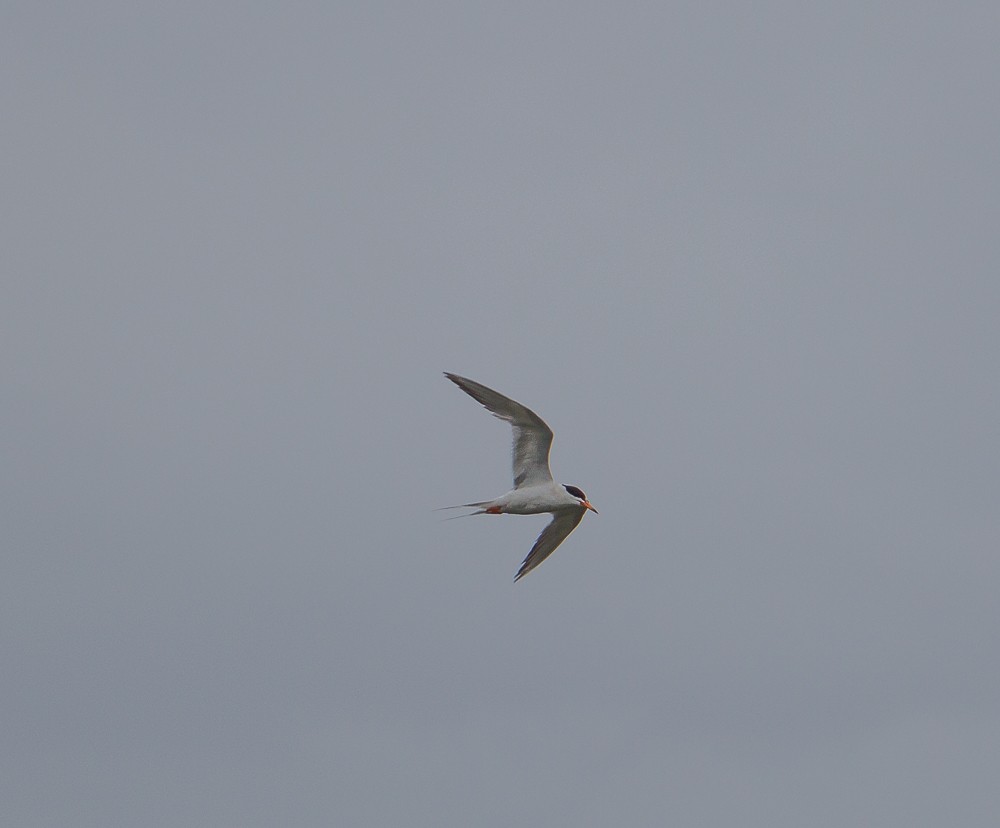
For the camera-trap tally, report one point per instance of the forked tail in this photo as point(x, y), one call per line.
point(478, 506)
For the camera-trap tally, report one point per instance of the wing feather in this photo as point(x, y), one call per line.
point(532, 437)
point(552, 535)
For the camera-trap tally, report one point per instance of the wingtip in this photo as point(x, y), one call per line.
point(455, 378)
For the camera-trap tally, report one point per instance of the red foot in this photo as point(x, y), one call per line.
point(493, 510)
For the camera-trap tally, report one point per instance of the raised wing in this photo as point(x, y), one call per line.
point(555, 533)
point(532, 438)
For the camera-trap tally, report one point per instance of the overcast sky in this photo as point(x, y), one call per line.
point(743, 258)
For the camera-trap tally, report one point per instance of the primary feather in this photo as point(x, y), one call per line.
point(532, 437)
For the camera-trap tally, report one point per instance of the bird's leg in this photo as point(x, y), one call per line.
point(494, 510)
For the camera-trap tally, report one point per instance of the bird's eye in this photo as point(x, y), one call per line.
point(573, 490)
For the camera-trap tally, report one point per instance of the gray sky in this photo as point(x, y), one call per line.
point(743, 258)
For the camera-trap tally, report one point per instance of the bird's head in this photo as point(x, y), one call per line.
point(581, 497)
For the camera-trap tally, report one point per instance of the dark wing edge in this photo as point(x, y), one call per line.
point(552, 535)
point(532, 435)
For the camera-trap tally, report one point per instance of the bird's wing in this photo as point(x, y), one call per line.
point(532, 438)
point(552, 535)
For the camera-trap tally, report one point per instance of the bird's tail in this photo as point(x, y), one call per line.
point(478, 506)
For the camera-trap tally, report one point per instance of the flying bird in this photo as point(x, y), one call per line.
point(534, 489)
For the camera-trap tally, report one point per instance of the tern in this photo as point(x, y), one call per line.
point(534, 489)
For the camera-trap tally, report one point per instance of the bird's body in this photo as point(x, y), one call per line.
point(533, 500)
point(534, 489)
